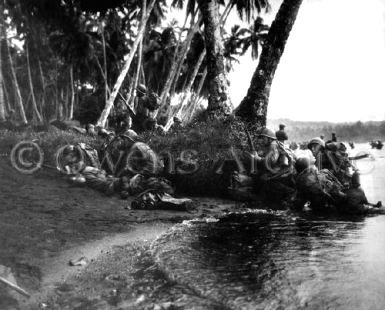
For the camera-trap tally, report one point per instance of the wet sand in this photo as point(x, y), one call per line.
point(45, 222)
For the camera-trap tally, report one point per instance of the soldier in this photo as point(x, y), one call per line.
point(121, 119)
point(317, 146)
point(356, 201)
point(333, 139)
point(90, 128)
point(146, 104)
point(177, 124)
point(281, 134)
point(318, 188)
point(276, 164)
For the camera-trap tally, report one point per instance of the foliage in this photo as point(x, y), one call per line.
point(50, 141)
point(208, 143)
point(77, 49)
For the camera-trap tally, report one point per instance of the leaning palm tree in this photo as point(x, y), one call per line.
point(218, 100)
point(253, 108)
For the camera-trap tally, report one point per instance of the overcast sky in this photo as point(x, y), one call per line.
point(333, 67)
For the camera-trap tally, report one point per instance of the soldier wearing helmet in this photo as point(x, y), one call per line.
point(268, 146)
point(146, 103)
point(276, 167)
point(121, 119)
point(317, 146)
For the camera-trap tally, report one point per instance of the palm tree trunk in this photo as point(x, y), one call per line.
point(195, 72)
point(9, 110)
point(187, 89)
point(194, 100)
point(109, 104)
point(106, 88)
point(253, 108)
point(16, 84)
point(200, 86)
point(183, 57)
point(174, 57)
point(174, 67)
point(2, 99)
point(42, 80)
point(72, 102)
point(219, 101)
point(137, 73)
point(34, 105)
point(57, 102)
point(140, 50)
point(143, 76)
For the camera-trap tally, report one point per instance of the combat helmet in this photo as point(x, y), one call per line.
point(131, 135)
point(318, 141)
point(176, 119)
point(302, 163)
point(266, 132)
point(141, 88)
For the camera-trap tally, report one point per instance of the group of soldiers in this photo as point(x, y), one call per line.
point(124, 165)
point(321, 178)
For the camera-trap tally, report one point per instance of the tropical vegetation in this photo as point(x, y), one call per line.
point(75, 59)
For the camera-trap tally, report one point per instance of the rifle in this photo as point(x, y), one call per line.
point(359, 157)
point(250, 141)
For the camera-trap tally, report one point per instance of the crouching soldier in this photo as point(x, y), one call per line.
point(356, 201)
point(333, 157)
point(126, 155)
point(275, 163)
point(81, 165)
point(146, 103)
point(318, 189)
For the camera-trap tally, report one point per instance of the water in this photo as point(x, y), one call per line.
point(260, 260)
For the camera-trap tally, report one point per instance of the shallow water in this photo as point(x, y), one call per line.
point(259, 260)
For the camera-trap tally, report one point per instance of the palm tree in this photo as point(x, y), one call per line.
point(158, 51)
point(34, 104)
point(247, 8)
point(2, 102)
point(255, 38)
point(253, 108)
point(109, 104)
point(16, 84)
point(218, 100)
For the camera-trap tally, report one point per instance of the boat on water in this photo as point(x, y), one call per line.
point(376, 144)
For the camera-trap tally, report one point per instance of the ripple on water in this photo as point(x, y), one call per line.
point(267, 261)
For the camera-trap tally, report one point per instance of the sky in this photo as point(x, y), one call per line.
point(333, 66)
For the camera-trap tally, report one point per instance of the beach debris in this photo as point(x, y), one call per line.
point(140, 299)
point(151, 200)
point(82, 261)
point(115, 278)
point(7, 278)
